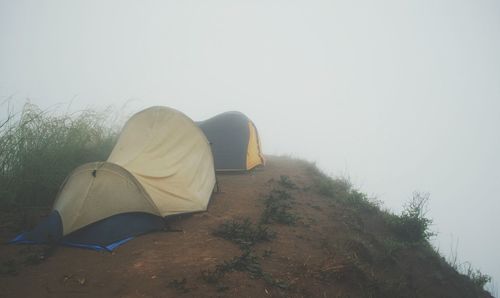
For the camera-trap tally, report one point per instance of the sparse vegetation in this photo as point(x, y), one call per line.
point(412, 226)
point(28, 256)
point(243, 232)
point(40, 148)
point(348, 258)
point(278, 205)
point(179, 285)
point(246, 262)
point(38, 254)
point(477, 277)
point(8, 267)
point(267, 253)
point(466, 269)
point(341, 190)
point(286, 182)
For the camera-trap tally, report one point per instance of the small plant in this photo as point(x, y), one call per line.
point(333, 188)
point(286, 182)
point(8, 267)
point(179, 285)
point(277, 208)
point(347, 270)
point(247, 262)
point(476, 276)
point(361, 201)
point(267, 253)
point(326, 185)
point(244, 232)
point(412, 226)
point(391, 247)
point(276, 282)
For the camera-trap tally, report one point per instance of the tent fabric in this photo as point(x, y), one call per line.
point(115, 229)
point(48, 230)
point(98, 190)
point(106, 234)
point(170, 157)
point(254, 155)
point(234, 140)
point(161, 165)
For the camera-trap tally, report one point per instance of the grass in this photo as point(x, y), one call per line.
point(341, 190)
point(38, 149)
point(411, 226)
point(475, 275)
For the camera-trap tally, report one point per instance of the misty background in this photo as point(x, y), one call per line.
point(399, 96)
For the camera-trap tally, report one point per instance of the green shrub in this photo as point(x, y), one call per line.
point(286, 182)
point(412, 226)
point(333, 188)
point(179, 285)
point(476, 276)
point(360, 200)
point(244, 232)
point(246, 262)
point(278, 204)
point(38, 149)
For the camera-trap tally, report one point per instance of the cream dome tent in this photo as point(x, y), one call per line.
point(161, 165)
point(170, 157)
point(235, 141)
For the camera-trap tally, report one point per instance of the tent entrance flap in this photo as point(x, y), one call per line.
point(254, 154)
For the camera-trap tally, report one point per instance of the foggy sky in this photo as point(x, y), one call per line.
point(398, 95)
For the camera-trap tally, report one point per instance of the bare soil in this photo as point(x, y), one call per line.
point(332, 251)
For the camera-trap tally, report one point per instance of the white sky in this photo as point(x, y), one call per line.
point(398, 95)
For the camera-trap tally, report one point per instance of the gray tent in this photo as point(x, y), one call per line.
point(234, 140)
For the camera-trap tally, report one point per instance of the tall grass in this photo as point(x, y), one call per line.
point(39, 148)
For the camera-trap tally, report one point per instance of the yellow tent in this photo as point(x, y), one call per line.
point(161, 165)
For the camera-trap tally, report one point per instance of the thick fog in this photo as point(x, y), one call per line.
point(400, 96)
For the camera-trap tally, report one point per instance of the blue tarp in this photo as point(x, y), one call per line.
point(106, 234)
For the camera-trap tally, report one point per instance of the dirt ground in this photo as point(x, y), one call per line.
point(331, 251)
